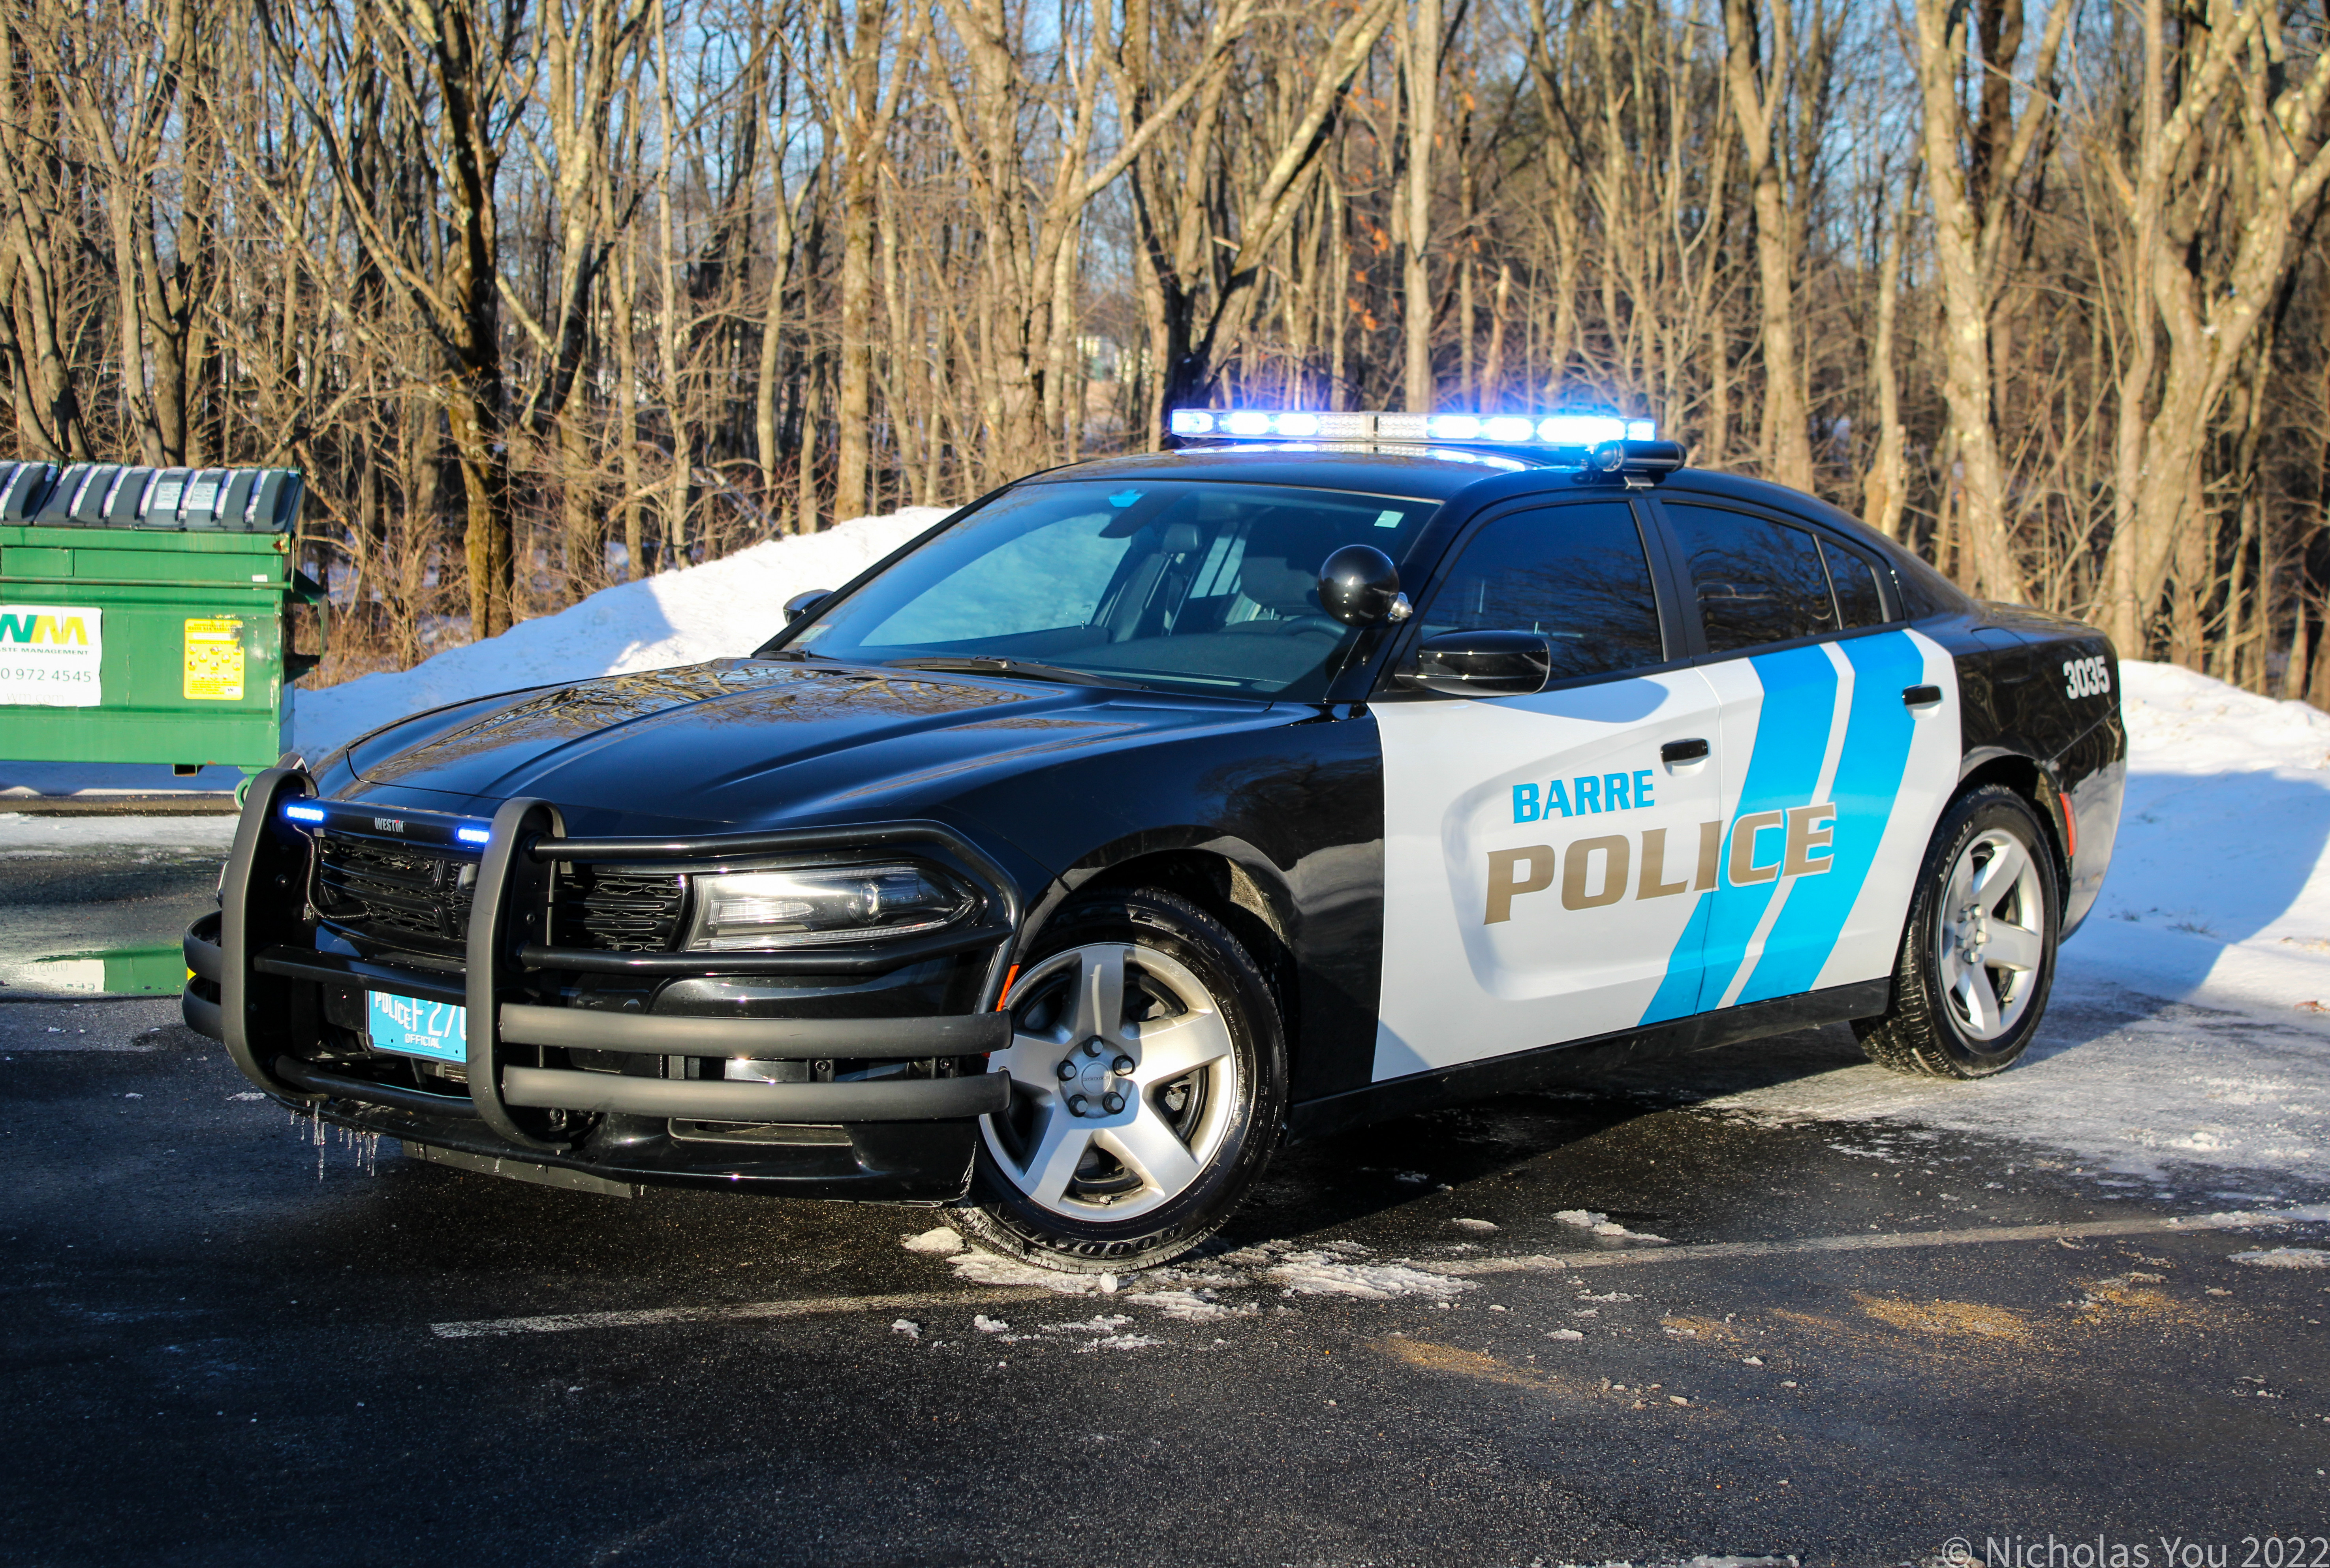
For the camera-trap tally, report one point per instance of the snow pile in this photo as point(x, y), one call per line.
point(719, 609)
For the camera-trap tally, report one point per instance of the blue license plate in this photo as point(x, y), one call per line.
point(440, 1030)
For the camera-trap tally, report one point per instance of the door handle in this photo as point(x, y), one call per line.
point(1683, 751)
point(1921, 696)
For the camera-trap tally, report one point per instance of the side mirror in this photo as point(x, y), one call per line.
point(1483, 664)
point(1360, 586)
point(802, 604)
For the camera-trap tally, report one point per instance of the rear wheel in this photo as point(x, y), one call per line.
point(1148, 1085)
point(1978, 954)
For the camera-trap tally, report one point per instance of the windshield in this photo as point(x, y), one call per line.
point(1185, 585)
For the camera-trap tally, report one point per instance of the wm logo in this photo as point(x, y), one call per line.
point(35, 630)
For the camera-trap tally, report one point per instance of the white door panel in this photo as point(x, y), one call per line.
point(1515, 918)
point(1532, 894)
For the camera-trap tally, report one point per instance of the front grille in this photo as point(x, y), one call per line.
point(395, 892)
point(623, 911)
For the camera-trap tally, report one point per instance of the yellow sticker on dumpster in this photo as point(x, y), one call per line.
point(215, 660)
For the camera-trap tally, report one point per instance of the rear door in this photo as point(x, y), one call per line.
point(1545, 858)
point(1836, 776)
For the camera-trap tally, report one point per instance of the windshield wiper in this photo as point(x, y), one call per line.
point(987, 664)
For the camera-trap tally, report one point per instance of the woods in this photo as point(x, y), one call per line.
point(549, 294)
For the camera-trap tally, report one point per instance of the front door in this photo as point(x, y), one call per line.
point(1547, 858)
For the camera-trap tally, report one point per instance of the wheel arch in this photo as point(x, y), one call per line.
point(2040, 789)
point(1228, 878)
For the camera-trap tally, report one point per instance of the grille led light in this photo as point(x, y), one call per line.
point(299, 813)
point(474, 835)
point(1562, 430)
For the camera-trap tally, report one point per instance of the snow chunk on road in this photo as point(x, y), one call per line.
point(986, 1325)
point(1324, 1273)
point(907, 1327)
point(1483, 1226)
point(2286, 1258)
point(1603, 1225)
point(1119, 1342)
point(1197, 1305)
point(938, 1244)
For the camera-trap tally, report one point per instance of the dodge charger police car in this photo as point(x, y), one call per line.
point(1153, 810)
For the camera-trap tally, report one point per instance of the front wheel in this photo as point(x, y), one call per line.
point(1978, 955)
point(1148, 1087)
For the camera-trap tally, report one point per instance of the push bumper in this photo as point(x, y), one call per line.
point(258, 978)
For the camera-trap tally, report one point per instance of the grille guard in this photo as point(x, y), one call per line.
point(266, 972)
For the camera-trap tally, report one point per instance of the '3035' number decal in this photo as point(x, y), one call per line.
point(2089, 677)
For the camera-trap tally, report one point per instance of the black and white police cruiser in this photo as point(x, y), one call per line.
point(1152, 810)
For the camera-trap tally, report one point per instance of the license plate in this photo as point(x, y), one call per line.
point(407, 1025)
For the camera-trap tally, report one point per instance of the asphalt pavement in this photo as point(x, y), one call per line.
point(1624, 1325)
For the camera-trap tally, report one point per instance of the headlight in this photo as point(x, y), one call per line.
point(755, 910)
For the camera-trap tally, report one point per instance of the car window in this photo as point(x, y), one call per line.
point(1188, 585)
point(1850, 573)
point(1756, 580)
point(1576, 574)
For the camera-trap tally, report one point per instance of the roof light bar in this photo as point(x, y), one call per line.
point(1570, 429)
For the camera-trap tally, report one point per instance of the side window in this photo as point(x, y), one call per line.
point(1576, 573)
point(1858, 601)
point(1757, 581)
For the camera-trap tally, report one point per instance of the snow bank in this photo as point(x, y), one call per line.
point(2220, 888)
point(718, 610)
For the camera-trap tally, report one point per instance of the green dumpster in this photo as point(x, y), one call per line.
point(145, 613)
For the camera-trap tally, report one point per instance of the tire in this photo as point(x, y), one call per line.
point(1090, 1189)
point(1993, 858)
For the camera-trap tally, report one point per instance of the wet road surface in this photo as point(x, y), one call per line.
point(230, 1342)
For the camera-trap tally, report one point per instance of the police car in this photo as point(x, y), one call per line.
point(1152, 810)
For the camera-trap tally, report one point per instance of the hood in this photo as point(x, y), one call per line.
point(745, 741)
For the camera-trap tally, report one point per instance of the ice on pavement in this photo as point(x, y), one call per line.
point(2286, 1258)
point(31, 833)
point(1198, 1306)
point(1326, 1273)
point(1106, 1323)
point(980, 1268)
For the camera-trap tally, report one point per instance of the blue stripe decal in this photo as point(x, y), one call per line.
point(1869, 773)
point(1791, 743)
point(1677, 993)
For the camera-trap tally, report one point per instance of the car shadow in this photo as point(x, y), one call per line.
point(1369, 1172)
